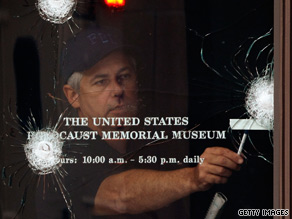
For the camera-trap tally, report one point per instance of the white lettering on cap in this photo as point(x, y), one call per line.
point(104, 38)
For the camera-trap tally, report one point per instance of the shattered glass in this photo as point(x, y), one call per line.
point(251, 74)
point(57, 12)
point(243, 85)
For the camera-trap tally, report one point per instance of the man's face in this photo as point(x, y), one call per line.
point(109, 88)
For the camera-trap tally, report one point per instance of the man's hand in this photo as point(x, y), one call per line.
point(217, 167)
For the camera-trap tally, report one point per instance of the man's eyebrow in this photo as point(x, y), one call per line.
point(102, 76)
point(123, 69)
point(98, 76)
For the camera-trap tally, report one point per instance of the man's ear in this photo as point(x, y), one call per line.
point(72, 96)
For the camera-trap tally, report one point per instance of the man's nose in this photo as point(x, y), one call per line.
point(117, 89)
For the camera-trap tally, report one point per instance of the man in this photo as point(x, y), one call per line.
point(108, 89)
point(106, 86)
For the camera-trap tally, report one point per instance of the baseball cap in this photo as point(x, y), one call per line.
point(88, 47)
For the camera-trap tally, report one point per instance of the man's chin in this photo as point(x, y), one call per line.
point(119, 114)
point(122, 112)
